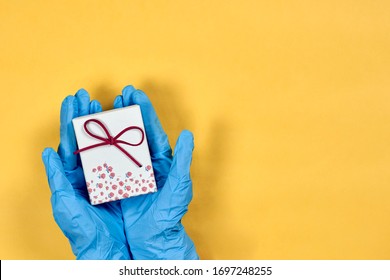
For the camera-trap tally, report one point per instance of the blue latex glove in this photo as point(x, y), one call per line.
point(153, 221)
point(94, 232)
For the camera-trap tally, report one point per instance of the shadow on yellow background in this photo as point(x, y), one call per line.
point(288, 102)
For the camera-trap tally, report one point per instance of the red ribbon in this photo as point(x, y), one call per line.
point(111, 140)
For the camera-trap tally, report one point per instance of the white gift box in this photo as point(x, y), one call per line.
point(114, 154)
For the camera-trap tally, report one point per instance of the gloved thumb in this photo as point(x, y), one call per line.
point(182, 156)
point(176, 194)
point(55, 171)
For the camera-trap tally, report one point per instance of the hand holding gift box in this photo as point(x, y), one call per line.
point(140, 227)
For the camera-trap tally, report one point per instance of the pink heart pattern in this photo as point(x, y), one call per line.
point(108, 186)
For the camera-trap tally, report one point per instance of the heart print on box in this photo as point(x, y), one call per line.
point(108, 186)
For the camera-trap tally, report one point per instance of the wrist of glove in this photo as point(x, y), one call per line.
point(107, 251)
point(162, 244)
point(88, 242)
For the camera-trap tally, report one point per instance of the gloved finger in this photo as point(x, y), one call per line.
point(176, 195)
point(127, 95)
point(182, 157)
point(68, 145)
point(118, 102)
point(55, 171)
point(157, 138)
point(82, 97)
point(126, 99)
point(95, 107)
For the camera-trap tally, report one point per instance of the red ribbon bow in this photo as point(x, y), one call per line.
point(111, 140)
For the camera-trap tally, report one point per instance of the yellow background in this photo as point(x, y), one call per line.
point(289, 102)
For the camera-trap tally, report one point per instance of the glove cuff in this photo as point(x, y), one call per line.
point(171, 244)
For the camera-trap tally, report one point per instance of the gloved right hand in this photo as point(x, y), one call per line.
point(153, 221)
point(94, 232)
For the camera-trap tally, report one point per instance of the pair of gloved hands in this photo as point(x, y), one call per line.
point(141, 227)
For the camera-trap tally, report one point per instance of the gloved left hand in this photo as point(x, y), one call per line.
point(94, 232)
